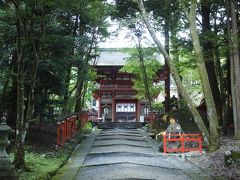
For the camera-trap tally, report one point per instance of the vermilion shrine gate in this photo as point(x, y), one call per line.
point(115, 93)
point(116, 96)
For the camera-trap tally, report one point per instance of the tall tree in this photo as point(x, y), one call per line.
point(208, 53)
point(151, 66)
point(91, 28)
point(173, 70)
point(213, 136)
point(25, 40)
point(235, 71)
point(211, 109)
point(166, 28)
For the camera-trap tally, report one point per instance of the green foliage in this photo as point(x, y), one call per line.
point(90, 89)
point(62, 49)
point(124, 9)
point(45, 47)
point(87, 128)
point(152, 65)
point(45, 163)
point(42, 166)
point(157, 105)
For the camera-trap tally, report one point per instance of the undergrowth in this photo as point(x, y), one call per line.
point(44, 165)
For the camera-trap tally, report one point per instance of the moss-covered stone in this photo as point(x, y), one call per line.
point(231, 157)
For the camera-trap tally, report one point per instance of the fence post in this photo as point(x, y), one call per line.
point(182, 142)
point(164, 144)
point(69, 127)
point(62, 134)
point(65, 130)
point(72, 125)
point(200, 144)
point(75, 125)
point(68, 130)
point(58, 133)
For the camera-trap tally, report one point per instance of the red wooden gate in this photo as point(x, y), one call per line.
point(182, 138)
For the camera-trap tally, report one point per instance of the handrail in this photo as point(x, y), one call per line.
point(66, 116)
point(66, 128)
point(182, 138)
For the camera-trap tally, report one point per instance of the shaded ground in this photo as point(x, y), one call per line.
point(41, 141)
point(43, 158)
point(214, 162)
point(125, 154)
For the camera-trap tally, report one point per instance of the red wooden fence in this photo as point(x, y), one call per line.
point(182, 138)
point(66, 128)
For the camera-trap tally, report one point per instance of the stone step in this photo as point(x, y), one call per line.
point(140, 158)
point(121, 134)
point(119, 125)
point(121, 148)
point(125, 171)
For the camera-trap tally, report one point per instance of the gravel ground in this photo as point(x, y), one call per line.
point(214, 162)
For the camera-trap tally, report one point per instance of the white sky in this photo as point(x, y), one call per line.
point(117, 38)
point(122, 37)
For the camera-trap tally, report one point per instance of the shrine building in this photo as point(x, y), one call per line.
point(115, 94)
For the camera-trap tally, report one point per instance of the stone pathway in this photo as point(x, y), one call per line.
point(125, 154)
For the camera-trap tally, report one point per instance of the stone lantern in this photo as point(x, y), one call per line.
point(7, 171)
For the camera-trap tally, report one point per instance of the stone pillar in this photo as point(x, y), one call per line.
point(7, 171)
point(113, 108)
point(99, 106)
point(138, 110)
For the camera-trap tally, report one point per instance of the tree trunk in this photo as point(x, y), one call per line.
point(208, 56)
point(175, 56)
point(23, 119)
point(3, 99)
point(12, 108)
point(145, 78)
point(19, 159)
point(211, 109)
point(227, 81)
point(67, 95)
point(80, 73)
point(173, 70)
point(83, 68)
point(222, 88)
point(167, 71)
point(85, 88)
point(166, 29)
point(235, 73)
point(30, 98)
point(78, 105)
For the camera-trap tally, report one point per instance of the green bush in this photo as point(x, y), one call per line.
point(87, 127)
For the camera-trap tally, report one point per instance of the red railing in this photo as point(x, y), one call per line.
point(182, 138)
point(66, 128)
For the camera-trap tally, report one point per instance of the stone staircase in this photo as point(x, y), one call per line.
point(119, 125)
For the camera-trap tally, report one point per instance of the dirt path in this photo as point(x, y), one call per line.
point(125, 154)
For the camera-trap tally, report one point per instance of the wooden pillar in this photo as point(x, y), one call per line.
point(113, 108)
point(138, 110)
point(99, 106)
